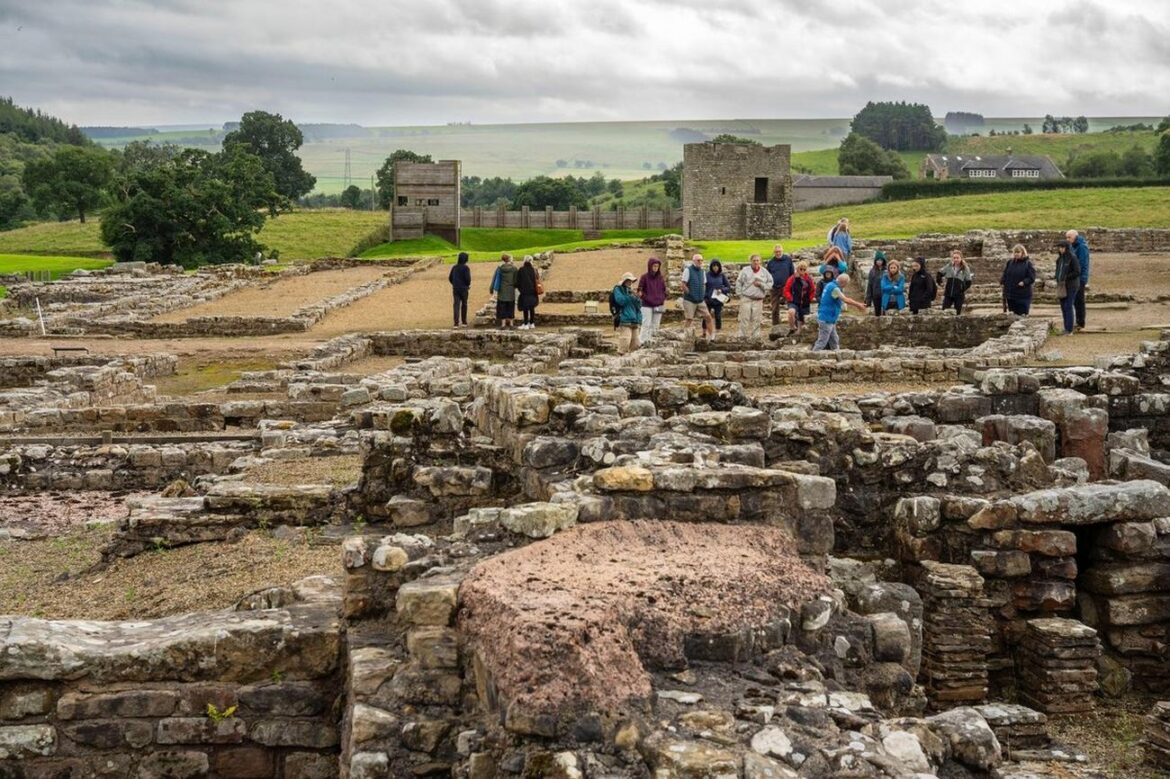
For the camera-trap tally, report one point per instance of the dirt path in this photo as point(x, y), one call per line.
point(281, 298)
point(587, 271)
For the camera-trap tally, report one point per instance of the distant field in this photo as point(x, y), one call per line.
point(620, 150)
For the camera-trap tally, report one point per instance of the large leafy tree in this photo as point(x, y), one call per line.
point(860, 156)
point(1162, 155)
point(386, 173)
point(74, 180)
point(901, 126)
point(543, 191)
point(275, 141)
point(194, 209)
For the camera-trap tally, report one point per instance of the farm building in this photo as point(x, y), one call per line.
point(1023, 167)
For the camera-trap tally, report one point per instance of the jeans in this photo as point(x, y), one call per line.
point(1066, 310)
point(460, 306)
point(1079, 307)
point(651, 320)
point(827, 337)
point(750, 313)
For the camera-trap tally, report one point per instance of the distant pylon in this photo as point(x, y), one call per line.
point(345, 184)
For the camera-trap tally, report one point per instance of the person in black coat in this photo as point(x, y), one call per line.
point(460, 278)
point(873, 287)
point(923, 288)
point(1018, 277)
point(527, 279)
point(1068, 283)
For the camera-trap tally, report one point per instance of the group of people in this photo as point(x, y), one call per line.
point(637, 303)
point(513, 287)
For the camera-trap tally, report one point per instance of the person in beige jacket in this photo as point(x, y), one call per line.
point(753, 285)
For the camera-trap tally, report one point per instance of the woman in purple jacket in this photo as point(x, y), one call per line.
point(652, 291)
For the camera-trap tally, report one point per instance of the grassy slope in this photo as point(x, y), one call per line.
point(58, 266)
point(298, 235)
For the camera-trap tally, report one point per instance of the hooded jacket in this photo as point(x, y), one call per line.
point(781, 269)
point(716, 282)
point(460, 276)
point(923, 289)
point(652, 286)
point(955, 281)
point(629, 306)
point(506, 292)
point(873, 285)
point(893, 290)
point(1081, 250)
point(1068, 270)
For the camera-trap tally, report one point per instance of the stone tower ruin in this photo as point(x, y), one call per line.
point(736, 191)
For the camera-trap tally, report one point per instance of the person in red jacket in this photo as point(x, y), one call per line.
point(798, 291)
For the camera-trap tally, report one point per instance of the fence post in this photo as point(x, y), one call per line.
point(572, 217)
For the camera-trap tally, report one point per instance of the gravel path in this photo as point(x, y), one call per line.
point(281, 298)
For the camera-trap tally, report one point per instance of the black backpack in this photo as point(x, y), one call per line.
point(614, 310)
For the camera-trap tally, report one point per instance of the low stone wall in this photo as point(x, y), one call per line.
point(228, 694)
point(42, 468)
point(167, 417)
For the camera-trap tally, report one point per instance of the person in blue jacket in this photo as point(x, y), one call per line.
point(893, 287)
point(629, 313)
point(782, 268)
point(460, 278)
point(1081, 249)
point(840, 237)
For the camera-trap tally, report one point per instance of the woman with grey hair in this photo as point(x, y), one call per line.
point(528, 292)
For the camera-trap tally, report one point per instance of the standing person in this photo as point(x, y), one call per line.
point(504, 287)
point(753, 285)
point(694, 281)
point(1081, 249)
point(781, 268)
point(528, 293)
point(843, 240)
point(1017, 280)
point(893, 289)
point(833, 301)
point(652, 290)
point(873, 285)
point(833, 230)
point(718, 290)
point(828, 273)
point(629, 317)
point(460, 279)
point(799, 294)
point(1068, 281)
point(923, 290)
point(956, 280)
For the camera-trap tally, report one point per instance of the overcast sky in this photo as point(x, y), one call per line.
point(394, 62)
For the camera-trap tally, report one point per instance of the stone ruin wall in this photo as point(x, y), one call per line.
point(992, 502)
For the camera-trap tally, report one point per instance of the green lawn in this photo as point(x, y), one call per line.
point(485, 243)
point(299, 235)
point(57, 266)
point(1043, 210)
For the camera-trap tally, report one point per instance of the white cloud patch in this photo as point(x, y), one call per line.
point(428, 61)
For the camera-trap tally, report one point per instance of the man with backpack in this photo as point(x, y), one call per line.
point(1081, 250)
point(694, 280)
